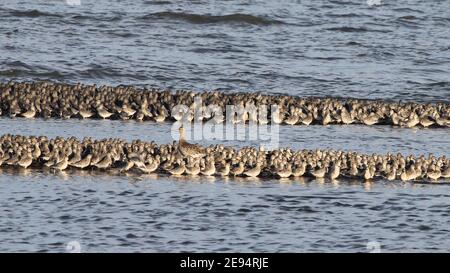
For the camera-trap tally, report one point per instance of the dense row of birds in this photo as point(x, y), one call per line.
point(53, 100)
point(183, 158)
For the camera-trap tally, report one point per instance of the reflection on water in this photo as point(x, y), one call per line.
point(43, 211)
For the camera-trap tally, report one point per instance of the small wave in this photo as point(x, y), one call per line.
point(18, 65)
point(96, 17)
point(344, 3)
point(408, 21)
point(99, 71)
point(122, 34)
point(441, 19)
point(439, 84)
point(407, 10)
point(157, 2)
point(356, 29)
point(325, 58)
point(344, 15)
point(353, 43)
point(18, 69)
point(213, 19)
point(21, 73)
point(408, 17)
point(225, 49)
point(32, 13)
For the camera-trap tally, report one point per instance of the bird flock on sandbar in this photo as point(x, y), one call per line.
point(181, 158)
point(54, 100)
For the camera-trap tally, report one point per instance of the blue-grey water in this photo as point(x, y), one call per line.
point(399, 50)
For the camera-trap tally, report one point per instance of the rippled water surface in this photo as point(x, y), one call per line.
point(397, 51)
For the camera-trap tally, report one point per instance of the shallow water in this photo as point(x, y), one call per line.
point(364, 139)
point(397, 51)
point(43, 212)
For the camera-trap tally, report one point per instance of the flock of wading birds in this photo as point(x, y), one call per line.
point(51, 100)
